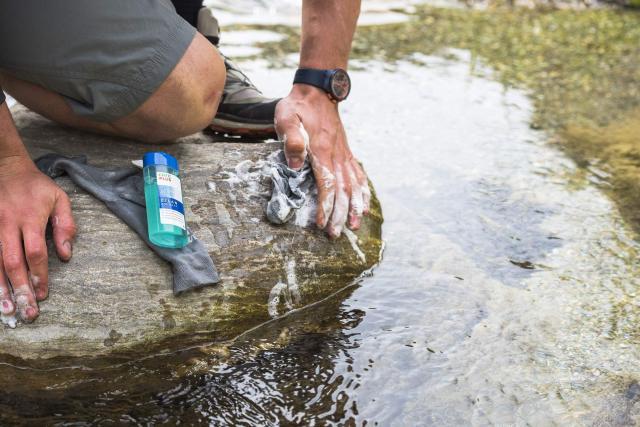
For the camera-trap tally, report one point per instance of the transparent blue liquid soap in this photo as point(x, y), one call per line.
point(163, 195)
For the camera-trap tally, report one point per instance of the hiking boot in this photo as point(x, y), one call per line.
point(208, 25)
point(243, 110)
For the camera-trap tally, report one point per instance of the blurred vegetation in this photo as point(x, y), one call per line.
point(581, 68)
point(578, 65)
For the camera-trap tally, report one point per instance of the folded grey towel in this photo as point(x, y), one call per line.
point(122, 190)
point(290, 189)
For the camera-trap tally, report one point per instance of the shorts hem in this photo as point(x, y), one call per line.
point(156, 70)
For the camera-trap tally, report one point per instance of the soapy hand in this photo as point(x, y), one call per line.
point(343, 190)
point(29, 200)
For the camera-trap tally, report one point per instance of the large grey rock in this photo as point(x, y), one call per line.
point(115, 295)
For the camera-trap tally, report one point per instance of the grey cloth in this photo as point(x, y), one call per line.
point(290, 189)
point(122, 190)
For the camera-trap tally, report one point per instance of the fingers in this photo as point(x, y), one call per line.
point(356, 207)
point(295, 139)
point(343, 193)
point(64, 227)
point(366, 197)
point(364, 186)
point(16, 269)
point(326, 182)
point(352, 198)
point(35, 250)
point(363, 183)
point(7, 307)
point(341, 204)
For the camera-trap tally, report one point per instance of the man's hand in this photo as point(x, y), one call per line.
point(343, 190)
point(29, 200)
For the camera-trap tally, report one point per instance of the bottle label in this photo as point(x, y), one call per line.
point(170, 194)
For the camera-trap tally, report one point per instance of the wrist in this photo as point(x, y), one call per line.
point(14, 164)
point(14, 157)
point(311, 94)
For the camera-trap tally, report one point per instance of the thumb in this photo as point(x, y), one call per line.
point(64, 227)
point(296, 140)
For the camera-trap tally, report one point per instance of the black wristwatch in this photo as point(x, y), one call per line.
point(335, 82)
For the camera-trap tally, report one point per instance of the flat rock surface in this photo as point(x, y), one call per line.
point(115, 295)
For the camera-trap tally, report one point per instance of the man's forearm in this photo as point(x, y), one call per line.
point(327, 31)
point(11, 147)
point(343, 193)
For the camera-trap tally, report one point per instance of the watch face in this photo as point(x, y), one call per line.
point(340, 84)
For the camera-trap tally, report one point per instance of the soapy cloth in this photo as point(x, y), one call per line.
point(122, 190)
point(290, 189)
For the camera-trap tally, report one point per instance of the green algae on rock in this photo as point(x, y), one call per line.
point(612, 153)
point(115, 295)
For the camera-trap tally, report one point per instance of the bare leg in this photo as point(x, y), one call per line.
point(184, 103)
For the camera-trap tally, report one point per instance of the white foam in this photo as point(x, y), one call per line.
point(248, 174)
point(292, 281)
point(305, 216)
point(290, 291)
point(340, 204)
point(357, 197)
point(9, 321)
point(328, 182)
point(274, 299)
point(305, 138)
point(353, 239)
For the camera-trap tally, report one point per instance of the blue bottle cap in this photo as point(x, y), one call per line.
point(159, 158)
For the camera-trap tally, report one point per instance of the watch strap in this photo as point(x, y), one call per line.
point(313, 77)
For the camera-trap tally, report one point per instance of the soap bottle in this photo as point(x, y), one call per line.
point(163, 195)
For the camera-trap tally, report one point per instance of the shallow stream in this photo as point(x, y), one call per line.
point(508, 292)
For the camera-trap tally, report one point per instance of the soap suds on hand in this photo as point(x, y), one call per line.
point(328, 183)
point(357, 196)
point(9, 321)
point(305, 138)
point(340, 204)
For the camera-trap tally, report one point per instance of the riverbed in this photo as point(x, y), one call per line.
point(507, 293)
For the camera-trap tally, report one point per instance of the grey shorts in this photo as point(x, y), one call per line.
point(104, 57)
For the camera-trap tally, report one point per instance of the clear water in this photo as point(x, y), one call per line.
point(507, 293)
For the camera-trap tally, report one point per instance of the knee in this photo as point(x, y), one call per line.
point(207, 76)
point(187, 100)
point(199, 79)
